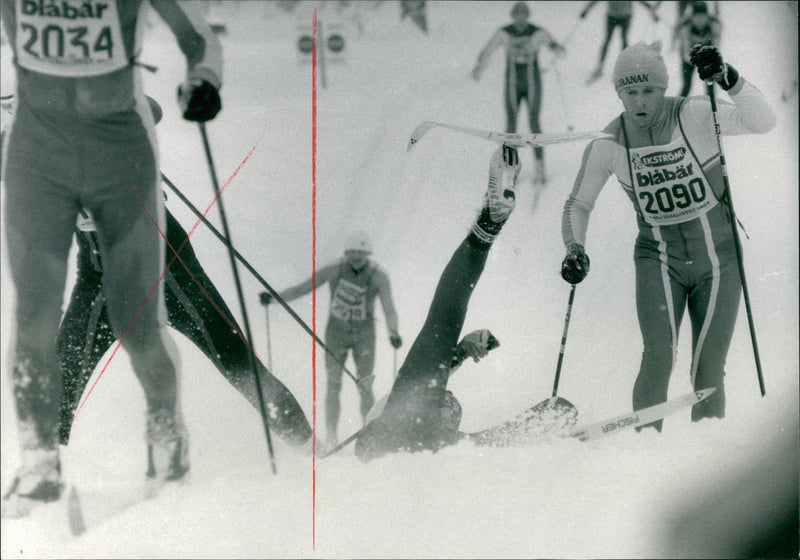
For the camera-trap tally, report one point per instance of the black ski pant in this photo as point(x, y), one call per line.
point(413, 415)
point(524, 81)
point(194, 308)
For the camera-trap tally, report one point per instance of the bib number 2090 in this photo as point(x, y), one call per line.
point(677, 195)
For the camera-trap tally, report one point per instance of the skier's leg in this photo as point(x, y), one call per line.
point(122, 195)
point(534, 105)
point(196, 309)
point(611, 23)
point(660, 303)
point(412, 414)
point(364, 358)
point(336, 341)
point(39, 216)
point(511, 96)
point(713, 308)
point(624, 26)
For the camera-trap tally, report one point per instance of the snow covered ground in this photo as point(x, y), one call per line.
point(697, 490)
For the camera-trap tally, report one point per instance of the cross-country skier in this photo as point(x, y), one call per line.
point(665, 155)
point(83, 136)
point(420, 412)
point(355, 281)
point(522, 41)
point(618, 14)
point(698, 28)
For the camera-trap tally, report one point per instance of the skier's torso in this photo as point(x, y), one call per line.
point(78, 57)
point(353, 293)
point(522, 46)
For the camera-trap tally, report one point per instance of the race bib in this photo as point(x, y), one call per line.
point(669, 183)
point(349, 302)
point(71, 38)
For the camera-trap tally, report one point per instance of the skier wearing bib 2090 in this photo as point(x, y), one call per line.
point(355, 281)
point(522, 41)
point(665, 155)
point(83, 137)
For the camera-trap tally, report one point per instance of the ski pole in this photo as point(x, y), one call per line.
point(737, 243)
point(263, 282)
point(237, 281)
point(563, 340)
point(265, 303)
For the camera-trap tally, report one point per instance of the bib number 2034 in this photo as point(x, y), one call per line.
point(677, 195)
point(71, 43)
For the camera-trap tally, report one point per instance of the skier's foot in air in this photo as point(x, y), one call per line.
point(500, 197)
point(594, 76)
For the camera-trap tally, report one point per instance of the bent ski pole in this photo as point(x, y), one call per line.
point(737, 244)
point(263, 282)
point(245, 321)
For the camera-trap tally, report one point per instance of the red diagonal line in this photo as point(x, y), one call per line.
point(169, 264)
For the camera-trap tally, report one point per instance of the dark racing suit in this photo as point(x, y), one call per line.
point(684, 254)
point(194, 308)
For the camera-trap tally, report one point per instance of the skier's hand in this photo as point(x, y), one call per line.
point(199, 100)
point(476, 345)
point(395, 340)
point(266, 298)
point(575, 266)
point(710, 66)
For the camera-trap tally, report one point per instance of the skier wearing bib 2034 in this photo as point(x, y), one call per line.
point(355, 281)
point(83, 137)
point(522, 41)
point(664, 153)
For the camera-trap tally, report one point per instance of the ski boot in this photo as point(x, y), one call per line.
point(38, 481)
point(167, 449)
point(500, 197)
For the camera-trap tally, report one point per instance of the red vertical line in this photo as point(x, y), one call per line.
point(314, 282)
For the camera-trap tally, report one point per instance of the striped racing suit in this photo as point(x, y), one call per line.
point(684, 254)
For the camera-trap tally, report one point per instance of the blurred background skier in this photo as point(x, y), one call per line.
point(699, 27)
point(619, 13)
point(522, 41)
point(355, 281)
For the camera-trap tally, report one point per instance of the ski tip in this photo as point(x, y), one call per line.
point(419, 132)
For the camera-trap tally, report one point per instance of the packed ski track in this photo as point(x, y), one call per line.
point(696, 490)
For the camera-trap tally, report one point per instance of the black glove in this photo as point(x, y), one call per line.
point(575, 266)
point(199, 100)
point(266, 298)
point(710, 66)
point(395, 340)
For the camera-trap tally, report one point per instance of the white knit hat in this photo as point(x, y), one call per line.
point(358, 241)
point(641, 65)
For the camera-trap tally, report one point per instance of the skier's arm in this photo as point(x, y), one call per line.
point(198, 43)
point(499, 38)
point(387, 303)
point(303, 288)
point(749, 112)
point(596, 168)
